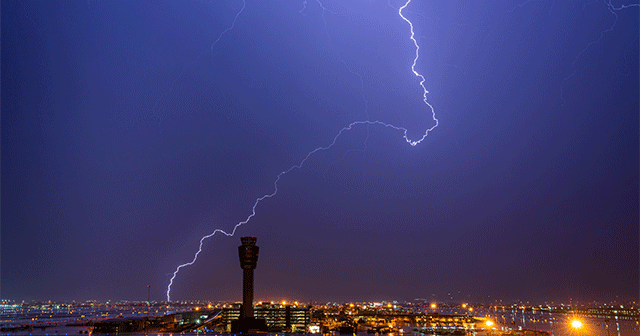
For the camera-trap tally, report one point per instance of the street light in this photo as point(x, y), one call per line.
point(576, 324)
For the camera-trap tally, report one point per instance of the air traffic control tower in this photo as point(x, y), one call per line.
point(247, 323)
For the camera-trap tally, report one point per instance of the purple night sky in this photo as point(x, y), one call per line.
point(130, 129)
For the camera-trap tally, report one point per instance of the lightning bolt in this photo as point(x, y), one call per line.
point(211, 48)
point(319, 149)
point(422, 79)
point(613, 9)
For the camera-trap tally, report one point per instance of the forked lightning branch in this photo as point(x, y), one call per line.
point(403, 131)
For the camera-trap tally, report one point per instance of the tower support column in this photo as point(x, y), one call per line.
point(247, 293)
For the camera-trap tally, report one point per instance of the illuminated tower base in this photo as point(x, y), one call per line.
point(247, 323)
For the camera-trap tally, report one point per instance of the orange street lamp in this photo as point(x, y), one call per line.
point(576, 324)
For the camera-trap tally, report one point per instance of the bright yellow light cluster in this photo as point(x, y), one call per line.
point(577, 324)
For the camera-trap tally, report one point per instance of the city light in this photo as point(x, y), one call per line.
point(433, 306)
point(576, 324)
point(373, 317)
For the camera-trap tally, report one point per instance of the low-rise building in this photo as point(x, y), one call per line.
point(279, 318)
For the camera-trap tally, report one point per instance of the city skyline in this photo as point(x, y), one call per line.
point(132, 130)
point(420, 317)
